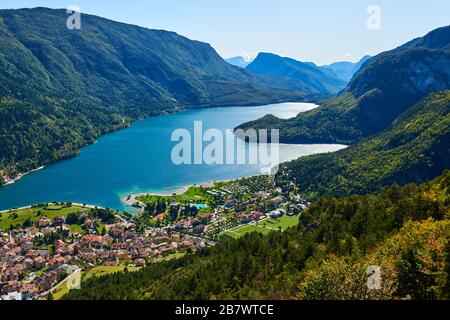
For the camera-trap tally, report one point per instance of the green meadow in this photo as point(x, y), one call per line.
point(19, 216)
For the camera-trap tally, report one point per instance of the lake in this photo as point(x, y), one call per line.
point(138, 159)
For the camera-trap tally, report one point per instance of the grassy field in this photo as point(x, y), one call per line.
point(283, 222)
point(173, 256)
point(264, 227)
point(62, 290)
point(101, 271)
point(17, 217)
point(194, 194)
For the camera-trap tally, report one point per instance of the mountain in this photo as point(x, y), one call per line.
point(346, 70)
point(385, 87)
point(404, 230)
point(415, 148)
point(299, 74)
point(240, 61)
point(63, 88)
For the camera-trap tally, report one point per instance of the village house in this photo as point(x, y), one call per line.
point(12, 296)
point(46, 280)
point(139, 263)
point(247, 218)
point(44, 222)
point(277, 201)
point(56, 262)
point(94, 241)
point(59, 221)
point(39, 262)
point(167, 249)
point(276, 214)
point(124, 256)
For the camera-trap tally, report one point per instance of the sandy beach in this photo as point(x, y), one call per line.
point(131, 200)
point(20, 176)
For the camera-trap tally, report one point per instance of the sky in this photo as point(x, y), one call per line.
point(321, 31)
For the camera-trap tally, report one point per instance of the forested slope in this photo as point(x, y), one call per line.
point(415, 148)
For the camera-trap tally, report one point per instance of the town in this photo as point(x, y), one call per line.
point(219, 210)
point(41, 246)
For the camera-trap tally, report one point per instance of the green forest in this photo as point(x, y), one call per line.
point(403, 230)
point(414, 149)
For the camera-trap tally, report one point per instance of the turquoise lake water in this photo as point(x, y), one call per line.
point(138, 159)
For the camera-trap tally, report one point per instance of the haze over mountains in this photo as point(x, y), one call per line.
point(341, 70)
point(300, 74)
point(346, 70)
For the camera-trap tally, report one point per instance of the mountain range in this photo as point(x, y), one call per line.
point(384, 201)
point(386, 86)
point(346, 70)
point(62, 88)
point(342, 70)
point(395, 114)
point(298, 74)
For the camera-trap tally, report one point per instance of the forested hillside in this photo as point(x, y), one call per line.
point(61, 88)
point(414, 149)
point(325, 257)
point(346, 70)
point(386, 86)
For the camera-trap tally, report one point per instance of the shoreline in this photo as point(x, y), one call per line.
point(131, 200)
point(87, 206)
point(165, 113)
point(20, 176)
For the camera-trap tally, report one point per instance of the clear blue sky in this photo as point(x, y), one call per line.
point(322, 31)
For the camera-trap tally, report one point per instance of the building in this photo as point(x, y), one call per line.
point(44, 222)
point(276, 214)
point(276, 201)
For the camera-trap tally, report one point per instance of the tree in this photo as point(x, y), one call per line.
point(73, 218)
point(27, 223)
point(173, 213)
point(445, 294)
